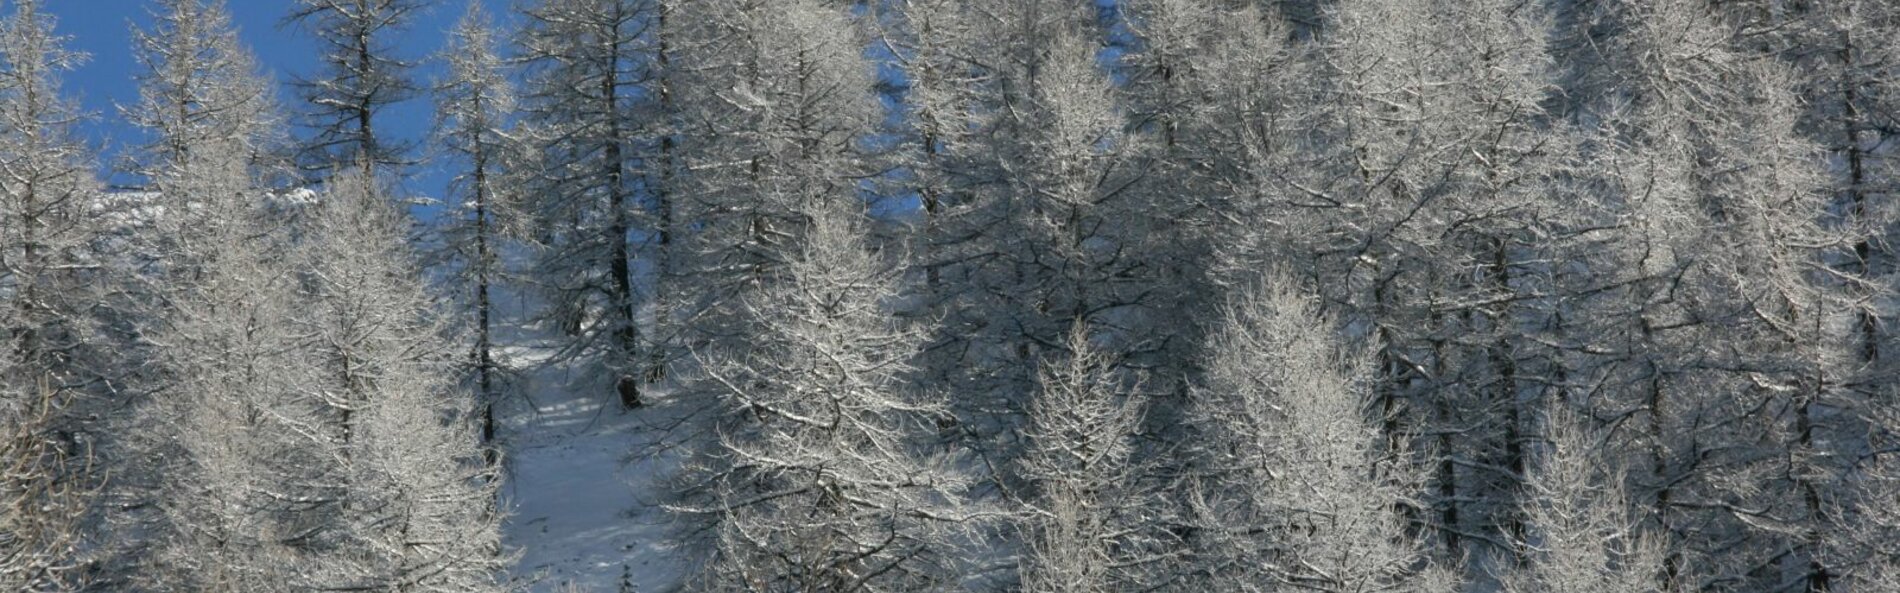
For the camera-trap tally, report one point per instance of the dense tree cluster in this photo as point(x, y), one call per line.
point(979, 295)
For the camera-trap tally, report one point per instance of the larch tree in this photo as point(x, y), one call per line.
point(1842, 75)
point(212, 121)
point(1850, 94)
point(1731, 169)
point(474, 106)
point(413, 509)
point(213, 131)
point(57, 367)
point(1872, 517)
point(1582, 535)
point(199, 85)
point(1576, 296)
point(589, 69)
point(1418, 185)
point(247, 482)
point(1702, 148)
point(821, 480)
point(773, 102)
point(1039, 222)
point(312, 436)
point(47, 222)
point(1091, 522)
point(1302, 487)
point(1217, 88)
point(361, 75)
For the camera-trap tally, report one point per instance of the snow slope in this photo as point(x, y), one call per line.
point(585, 507)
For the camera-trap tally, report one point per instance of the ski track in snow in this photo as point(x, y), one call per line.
point(583, 509)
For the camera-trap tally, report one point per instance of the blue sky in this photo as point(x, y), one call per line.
point(102, 29)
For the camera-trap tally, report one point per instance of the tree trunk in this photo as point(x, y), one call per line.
point(484, 355)
point(626, 334)
point(657, 355)
point(1505, 365)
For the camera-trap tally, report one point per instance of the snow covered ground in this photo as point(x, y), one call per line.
point(585, 510)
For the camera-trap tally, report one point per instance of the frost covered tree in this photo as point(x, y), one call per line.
point(1302, 489)
point(1216, 86)
point(245, 479)
point(414, 509)
point(312, 436)
point(1748, 337)
point(1871, 518)
point(1091, 524)
point(1583, 534)
point(1669, 218)
point(47, 226)
point(773, 100)
point(474, 106)
point(212, 129)
point(1038, 222)
point(1848, 90)
point(199, 87)
point(589, 66)
point(820, 480)
point(1419, 185)
point(212, 121)
point(55, 360)
point(361, 75)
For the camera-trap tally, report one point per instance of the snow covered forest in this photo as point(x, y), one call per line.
point(1039, 296)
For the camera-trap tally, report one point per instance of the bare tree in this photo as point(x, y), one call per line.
point(1039, 216)
point(246, 479)
point(415, 507)
point(213, 125)
point(773, 102)
point(1708, 153)
point(1420, 186)
point(46, 229)
point(361, 75)
point(43, 497)
point(212, 129)
point(311, 436)
point(55, 300)
point(200, 87)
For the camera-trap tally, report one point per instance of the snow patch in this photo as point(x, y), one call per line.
point(585, 509)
